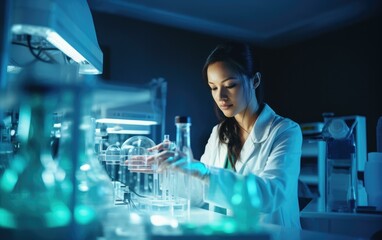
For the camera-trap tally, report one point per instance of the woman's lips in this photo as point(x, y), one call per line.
point(225, 107)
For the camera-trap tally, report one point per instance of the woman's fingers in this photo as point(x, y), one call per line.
point(160, 157)
point(169, 146)
point(158, 147)
point(150, 159)
point(164, 159)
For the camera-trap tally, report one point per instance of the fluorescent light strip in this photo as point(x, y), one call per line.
point(125, 131)
point(126, 121)
point(55, 39)
point(13, 69)
point(88, 69)
point(64, 46)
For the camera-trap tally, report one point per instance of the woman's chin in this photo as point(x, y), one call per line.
point(228, 114)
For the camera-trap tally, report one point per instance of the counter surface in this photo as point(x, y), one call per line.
point(200, 224)
point(361, 225)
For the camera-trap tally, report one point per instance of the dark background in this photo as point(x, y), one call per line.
point(339, 71)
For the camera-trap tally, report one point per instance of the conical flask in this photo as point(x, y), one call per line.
point(93, 189)
point(31, 205)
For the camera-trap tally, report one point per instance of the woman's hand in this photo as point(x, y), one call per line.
point(150, 163)
point(169, 157)
point(172, 158)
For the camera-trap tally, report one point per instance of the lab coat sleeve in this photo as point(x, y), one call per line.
point(268, 189)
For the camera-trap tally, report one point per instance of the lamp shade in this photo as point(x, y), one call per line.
point(68, 25)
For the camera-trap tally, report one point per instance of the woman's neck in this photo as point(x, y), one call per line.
point(248, 117)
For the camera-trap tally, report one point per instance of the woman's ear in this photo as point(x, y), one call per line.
point(256, 80)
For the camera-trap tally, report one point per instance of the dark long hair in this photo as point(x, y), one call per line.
point(240, 57)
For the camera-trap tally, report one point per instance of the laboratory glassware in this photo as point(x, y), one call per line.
point(183, 146)
point(112, 167)
point(34, 198)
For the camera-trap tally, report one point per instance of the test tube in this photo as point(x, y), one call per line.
point(155, 181)
point(165, 174)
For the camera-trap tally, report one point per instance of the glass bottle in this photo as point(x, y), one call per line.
point(183, 145)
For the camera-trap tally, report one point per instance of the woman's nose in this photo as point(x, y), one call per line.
point(222, 94)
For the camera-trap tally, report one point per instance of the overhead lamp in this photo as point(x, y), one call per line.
point(136, 131)
point(13, 69)
point(127, 121)
point(67, 25)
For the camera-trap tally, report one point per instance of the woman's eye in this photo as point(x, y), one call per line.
point(213, 88)
point(231, 86)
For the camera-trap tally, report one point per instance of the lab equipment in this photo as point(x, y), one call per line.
point(112, 163)
point(373, 179)
point(67, 26)
point(164, 183)
point(312, 173)
point(7, 143)
point(93, 190)
point(135, 153)
point(142, 113)
point(183, 145)
point(134, 157)
point(62, 191)
point(379, 135)
point(153, 192)
point(345, 149)
point(32, 195)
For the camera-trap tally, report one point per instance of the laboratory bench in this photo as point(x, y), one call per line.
point(360, 225)
point(120, 223)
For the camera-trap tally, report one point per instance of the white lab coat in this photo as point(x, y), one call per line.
point(270, 158)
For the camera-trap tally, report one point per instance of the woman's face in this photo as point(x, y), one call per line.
point(227, 88)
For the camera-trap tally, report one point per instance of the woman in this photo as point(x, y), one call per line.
point(252, 158)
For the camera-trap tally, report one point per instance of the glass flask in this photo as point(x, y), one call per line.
point(93, 190)
point(135, 151)
point(112, 161)
point(134, 155)
point(112, 165)
point(34, 198)
point(142, 176)
point(183, 144)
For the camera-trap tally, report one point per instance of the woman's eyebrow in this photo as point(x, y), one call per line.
point(226, 79)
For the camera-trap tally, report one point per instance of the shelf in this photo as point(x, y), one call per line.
point(309, 179)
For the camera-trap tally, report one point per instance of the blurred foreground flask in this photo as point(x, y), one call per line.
point(42, 197)
point(92, 192)
point(245, 202)
point(33, 197)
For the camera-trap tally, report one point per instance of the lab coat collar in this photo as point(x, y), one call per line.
point(259, 133)
point(260, 130)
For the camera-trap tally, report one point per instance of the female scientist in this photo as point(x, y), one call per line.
point(252, 158)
